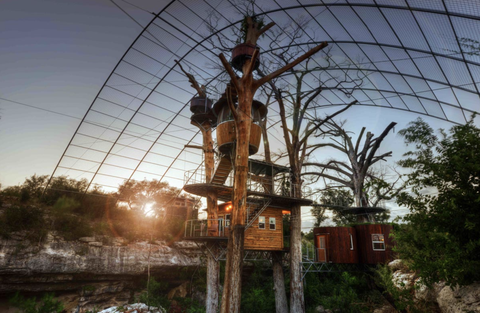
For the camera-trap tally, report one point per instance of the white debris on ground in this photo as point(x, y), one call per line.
point(134, 308)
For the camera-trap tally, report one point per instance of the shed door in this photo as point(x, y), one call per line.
point(322, 249)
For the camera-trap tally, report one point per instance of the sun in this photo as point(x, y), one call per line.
point(148, 209)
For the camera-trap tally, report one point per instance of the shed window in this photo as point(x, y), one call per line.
point(261, 222)
point(273, 226)
point(378, 242)
point(351, 242)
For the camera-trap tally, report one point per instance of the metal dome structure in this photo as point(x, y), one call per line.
point(417, 56)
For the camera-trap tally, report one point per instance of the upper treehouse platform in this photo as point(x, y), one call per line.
point(265, 180)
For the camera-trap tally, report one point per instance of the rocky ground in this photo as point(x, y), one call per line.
point(449, 300)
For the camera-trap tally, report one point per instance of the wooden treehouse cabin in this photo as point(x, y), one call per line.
point(269, 189)
point(360, 244)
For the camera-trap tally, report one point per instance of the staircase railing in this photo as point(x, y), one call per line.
point(253, 215)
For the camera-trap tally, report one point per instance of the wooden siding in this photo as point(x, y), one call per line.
point(262, 239)
point(337, 243)
point(366, 253)
point(226, 137)
point(266, 239)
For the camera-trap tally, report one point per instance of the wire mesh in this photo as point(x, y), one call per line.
point(421, 56)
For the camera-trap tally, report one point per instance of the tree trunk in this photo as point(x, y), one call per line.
point(296, 285)
point(232, 287)
point(233, 280)
point(213, 266)
point(281, 304)
point(213, 281)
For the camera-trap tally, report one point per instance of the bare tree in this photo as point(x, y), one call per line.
point(351, 174)
point(299, 122)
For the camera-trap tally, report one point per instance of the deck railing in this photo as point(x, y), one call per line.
point(254, 183)
point(205, 228)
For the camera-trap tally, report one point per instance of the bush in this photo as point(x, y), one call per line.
point(67, 224)
point(27, 219)
point(46, 305)
point(257, 292)
point(402, 298)
point(154, 295)
point(342, 292)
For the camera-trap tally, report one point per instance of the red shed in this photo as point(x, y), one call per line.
point(366, 244)
point(336, 244)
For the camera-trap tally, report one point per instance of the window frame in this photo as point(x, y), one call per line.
point(270, 219)
point(378, 241)
point(260, 223)
point(351, 242)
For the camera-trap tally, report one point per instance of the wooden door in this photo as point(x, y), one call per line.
point(321, 248)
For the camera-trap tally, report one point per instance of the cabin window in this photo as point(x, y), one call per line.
point(378, 242)
point(351, 242)
point(273, 226)
point(261, 222)
point(227, 220)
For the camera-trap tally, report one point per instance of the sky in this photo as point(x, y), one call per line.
point(54, 57)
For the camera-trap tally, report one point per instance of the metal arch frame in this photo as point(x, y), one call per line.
point(200, 43)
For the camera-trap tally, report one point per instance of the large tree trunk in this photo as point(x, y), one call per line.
point(213, 266)
point(233, 280)
point(281, 304)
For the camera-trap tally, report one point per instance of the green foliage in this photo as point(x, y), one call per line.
point(342, 292)
point(23, 218)
point(187, 305)
point(155, 294)
point(403, 298)
point(46, 305)
point(257, 292)
point(442, 238)
point(64, 186)
point(69, 225)
point(140, 193)
point(338, 198)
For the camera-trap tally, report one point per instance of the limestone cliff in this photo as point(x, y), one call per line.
point(91, 272)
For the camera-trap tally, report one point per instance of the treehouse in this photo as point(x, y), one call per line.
point(269, 191)
point(226, 134)
point(201, 108)
point(269, 187)
point(364, 244)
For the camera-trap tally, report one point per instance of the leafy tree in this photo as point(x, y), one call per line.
point(442, 237)
point(139, 194)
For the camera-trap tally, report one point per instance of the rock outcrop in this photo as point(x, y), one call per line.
point(93, 272)
point(449, 300)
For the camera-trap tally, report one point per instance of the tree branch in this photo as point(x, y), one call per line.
point(285, 68)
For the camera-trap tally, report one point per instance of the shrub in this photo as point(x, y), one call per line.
point(67, 224)
point(154, 295)
point(257, 292)
point(27, 219)
point(46, 305)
